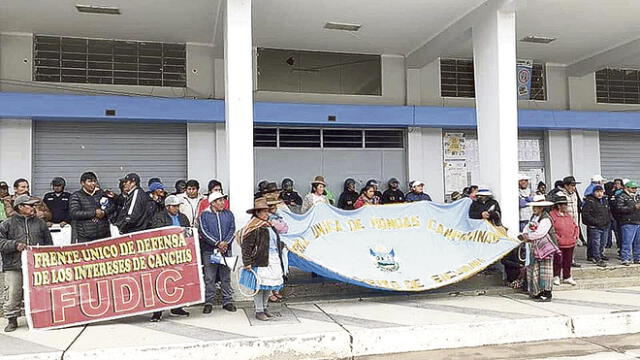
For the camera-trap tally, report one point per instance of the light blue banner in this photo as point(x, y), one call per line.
point(401, 247)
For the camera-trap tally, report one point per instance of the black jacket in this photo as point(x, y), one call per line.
point(625, 208)
point(58, 204)
point(82, 211)
point(478, 207)
point(391, 196)
point(134, 215)
point(291, 198)
point(595, 212)
point(20, 229)
point(162, 219)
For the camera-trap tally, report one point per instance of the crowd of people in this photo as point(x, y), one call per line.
point(549, 226)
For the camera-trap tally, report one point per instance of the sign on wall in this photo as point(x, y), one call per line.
point(524, 71)
point(112, 278)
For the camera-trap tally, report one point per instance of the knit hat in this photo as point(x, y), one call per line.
point(156, 186)
point(598, 187)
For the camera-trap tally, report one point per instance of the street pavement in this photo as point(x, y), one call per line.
point(342, 329)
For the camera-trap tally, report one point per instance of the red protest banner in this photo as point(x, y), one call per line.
point(112, 278)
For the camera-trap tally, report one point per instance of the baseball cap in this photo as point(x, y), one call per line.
point(25, 200)
point(598, 187)
point(631, 184)
point(522, 177)
point(416, 183)
point(132, 177)
point(58, 181)
point(156, 186)
point(172, 200)
point(597, 178)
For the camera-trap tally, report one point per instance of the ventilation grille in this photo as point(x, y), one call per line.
point(79, 60)
point(331, 138)
point(618, 86)
point(457, 79)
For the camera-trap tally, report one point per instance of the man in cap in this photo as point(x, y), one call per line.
point(595, 180)
point(417, 192)
point(169, 216)
point(393, 194)
point(21, 230)
point(58, 202)
point(134, 215)
point(597, 218)
point(21, 187)
point(89, 210)
point(4, 192)
point(627, 207)
point(485, 207)
point(216, 229)
point(525, 197)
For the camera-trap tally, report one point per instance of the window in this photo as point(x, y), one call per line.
point(456, 79)
point(331, 138)
point(319, 72)
point(79, 60)
point(618, 86)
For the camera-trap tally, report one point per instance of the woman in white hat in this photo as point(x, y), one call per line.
point(316, 195)
point(540, 233)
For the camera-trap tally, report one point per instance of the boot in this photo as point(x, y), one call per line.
point(12, 325)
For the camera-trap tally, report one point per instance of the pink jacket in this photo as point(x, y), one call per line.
point(567, 231)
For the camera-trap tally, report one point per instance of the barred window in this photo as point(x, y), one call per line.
point(618, 86)
point(95, 61)
point(331, 138)
point(457, 79)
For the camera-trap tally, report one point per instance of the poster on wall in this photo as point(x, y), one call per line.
point(535, 176)
point(529, 150)
point(455, 175)
point(454, 146)
point(524, 70)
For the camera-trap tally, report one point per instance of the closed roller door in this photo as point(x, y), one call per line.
point(111, 150)
point(620, 155)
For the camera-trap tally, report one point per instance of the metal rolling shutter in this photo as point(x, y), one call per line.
point(110, 150)
point(620, 155)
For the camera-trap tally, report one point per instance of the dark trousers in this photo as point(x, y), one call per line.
point(596, 238)
point(562, 263)
point(211, 273)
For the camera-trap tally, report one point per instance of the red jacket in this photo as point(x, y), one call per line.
point(566, 229)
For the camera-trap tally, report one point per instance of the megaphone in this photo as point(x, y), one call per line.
point(229, 261)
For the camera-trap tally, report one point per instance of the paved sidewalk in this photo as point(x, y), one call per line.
point(340, 329)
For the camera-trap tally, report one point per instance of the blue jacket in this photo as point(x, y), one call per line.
point(214, 228)
point(411, 197)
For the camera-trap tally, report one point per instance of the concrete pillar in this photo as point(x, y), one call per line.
point(16, 149)
point(494, 55)
point(238, 79)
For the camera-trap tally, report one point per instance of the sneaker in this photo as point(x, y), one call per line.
point(268, 313)
point(543, 298)
point(12, 325)
point(230, 307)
point(625, 262)
point(179, 312)
point(605, 258)
point(570, 281)
point(590, 259)
point(556, 280)
point(575, 265)
point(601, 263)
point(157, 316)
point(208, 308)
point(262, 316)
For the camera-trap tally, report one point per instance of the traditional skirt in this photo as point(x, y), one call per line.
point(270, 276)
point(540, 276)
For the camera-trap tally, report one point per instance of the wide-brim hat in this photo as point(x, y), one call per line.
point(258, 204)
point(570, 180)
point(484, 192)
point(215, 196)
point(271, 187)
point(560, 199)
point(272, 199)
point(319, 180)
point(540, 200)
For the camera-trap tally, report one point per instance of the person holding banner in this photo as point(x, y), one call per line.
point(368, 197)
point(21, 230)
point(540, 233)
point(170, 216)
point(417, 192)
point(262, 258)
point(217, 228)
point(349, 195)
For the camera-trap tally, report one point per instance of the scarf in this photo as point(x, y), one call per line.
point(252, 225)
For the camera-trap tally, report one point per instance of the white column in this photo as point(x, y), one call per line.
point(494, 55)
point(238, 80)
point(16, 149)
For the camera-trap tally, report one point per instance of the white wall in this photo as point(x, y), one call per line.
point(15, 149)
point(572, 152)
point(424, 160)
point(206, 153)
point(393, 89)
